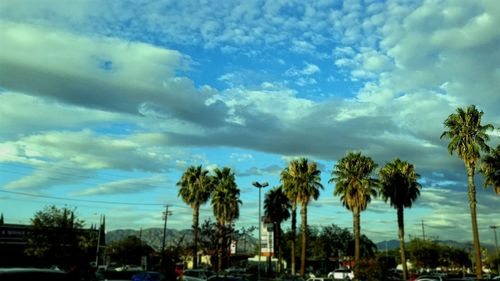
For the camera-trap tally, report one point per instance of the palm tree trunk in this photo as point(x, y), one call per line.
point(294, 229)
point(472, 203)
point(401, 228)
point(196, 216)
point(221, 246)
point(356, 226)
point(303, 213)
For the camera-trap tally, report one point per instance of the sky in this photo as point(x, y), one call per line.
point(104, 104)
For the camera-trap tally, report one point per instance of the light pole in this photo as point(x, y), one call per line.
point(494, 228)
point(259, 186)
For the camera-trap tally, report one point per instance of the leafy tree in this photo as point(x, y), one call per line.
point(225, 203)
point(128, 251)
point(467, 138)
point(301, 181)
point(490, 167)
point(355, 186)
point(399, 186)
point(57, 237)
point(277, 207)
point(195, 188)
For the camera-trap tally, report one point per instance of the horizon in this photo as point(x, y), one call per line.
point(103, 105)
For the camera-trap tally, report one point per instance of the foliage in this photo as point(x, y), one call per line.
point(490, 167)
point(399, 186)
point(430, 254)
point(195, 188)
point(355, 186)
point(57, 237)
point(467, 138)
point(128, 251)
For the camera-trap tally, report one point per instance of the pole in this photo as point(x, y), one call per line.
point(98, 242)
point(423, 230)
point(494, 228)
point(164, 234)
point(259, 186)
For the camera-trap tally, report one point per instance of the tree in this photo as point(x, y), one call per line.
point(57, 237)
point(355, 186)
point(195, 188)
point(399, 186)
point(128, 251)
point(467, 138)
point(225, 203)
point(277, 206)
point(490, 167)
point(301, 183)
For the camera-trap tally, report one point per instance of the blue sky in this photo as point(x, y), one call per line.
point(110, 101)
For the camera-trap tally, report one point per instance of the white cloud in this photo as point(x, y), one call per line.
point(137, 185)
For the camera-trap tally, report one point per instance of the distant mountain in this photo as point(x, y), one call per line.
point(153, 237)
point(394, 244)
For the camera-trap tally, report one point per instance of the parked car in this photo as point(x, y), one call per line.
point(319, 279)
point(429, 278)
point(29, 274)
point(226, 278)
point(148, 276)
point(197, 274)
point(235, 270)
point(341, 274)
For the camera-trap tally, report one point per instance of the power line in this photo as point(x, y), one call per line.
point(81, 200)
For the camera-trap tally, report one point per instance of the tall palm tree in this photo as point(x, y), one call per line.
point(225, 203)
point(277, 207)
point(302, 182)
point(355, 186)
point(399, 186)
point(195, 188)
point(490, 167)
point(467, 138)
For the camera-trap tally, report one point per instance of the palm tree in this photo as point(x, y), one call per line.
point(195, 188)
point(301, 181)
point(277, 206)
point(399, 186)
point(490, 167)
point(225, 203)
point(467, 138)
point(355, 186)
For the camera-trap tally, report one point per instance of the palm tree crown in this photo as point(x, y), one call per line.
point(467, 135)
point(352, 181)
point(195, 186)
point(277, 205)
point(398, 182)
point(225, 197)
point(490, 167)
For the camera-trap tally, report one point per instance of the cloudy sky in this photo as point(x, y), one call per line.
point(103, 104)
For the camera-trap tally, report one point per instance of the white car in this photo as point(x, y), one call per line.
point(341, 274)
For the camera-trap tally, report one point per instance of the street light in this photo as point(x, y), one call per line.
point(259, 186)
point(494, 228)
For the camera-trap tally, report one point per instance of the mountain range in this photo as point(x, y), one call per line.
point(153, 237)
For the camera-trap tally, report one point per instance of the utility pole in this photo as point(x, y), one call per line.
point(165, 217)
point(494, 228)
point(423, 230)
point(98, 242)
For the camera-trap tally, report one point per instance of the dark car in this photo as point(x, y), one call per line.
point(148, 276)
point(227, 278)
point(30, 274)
